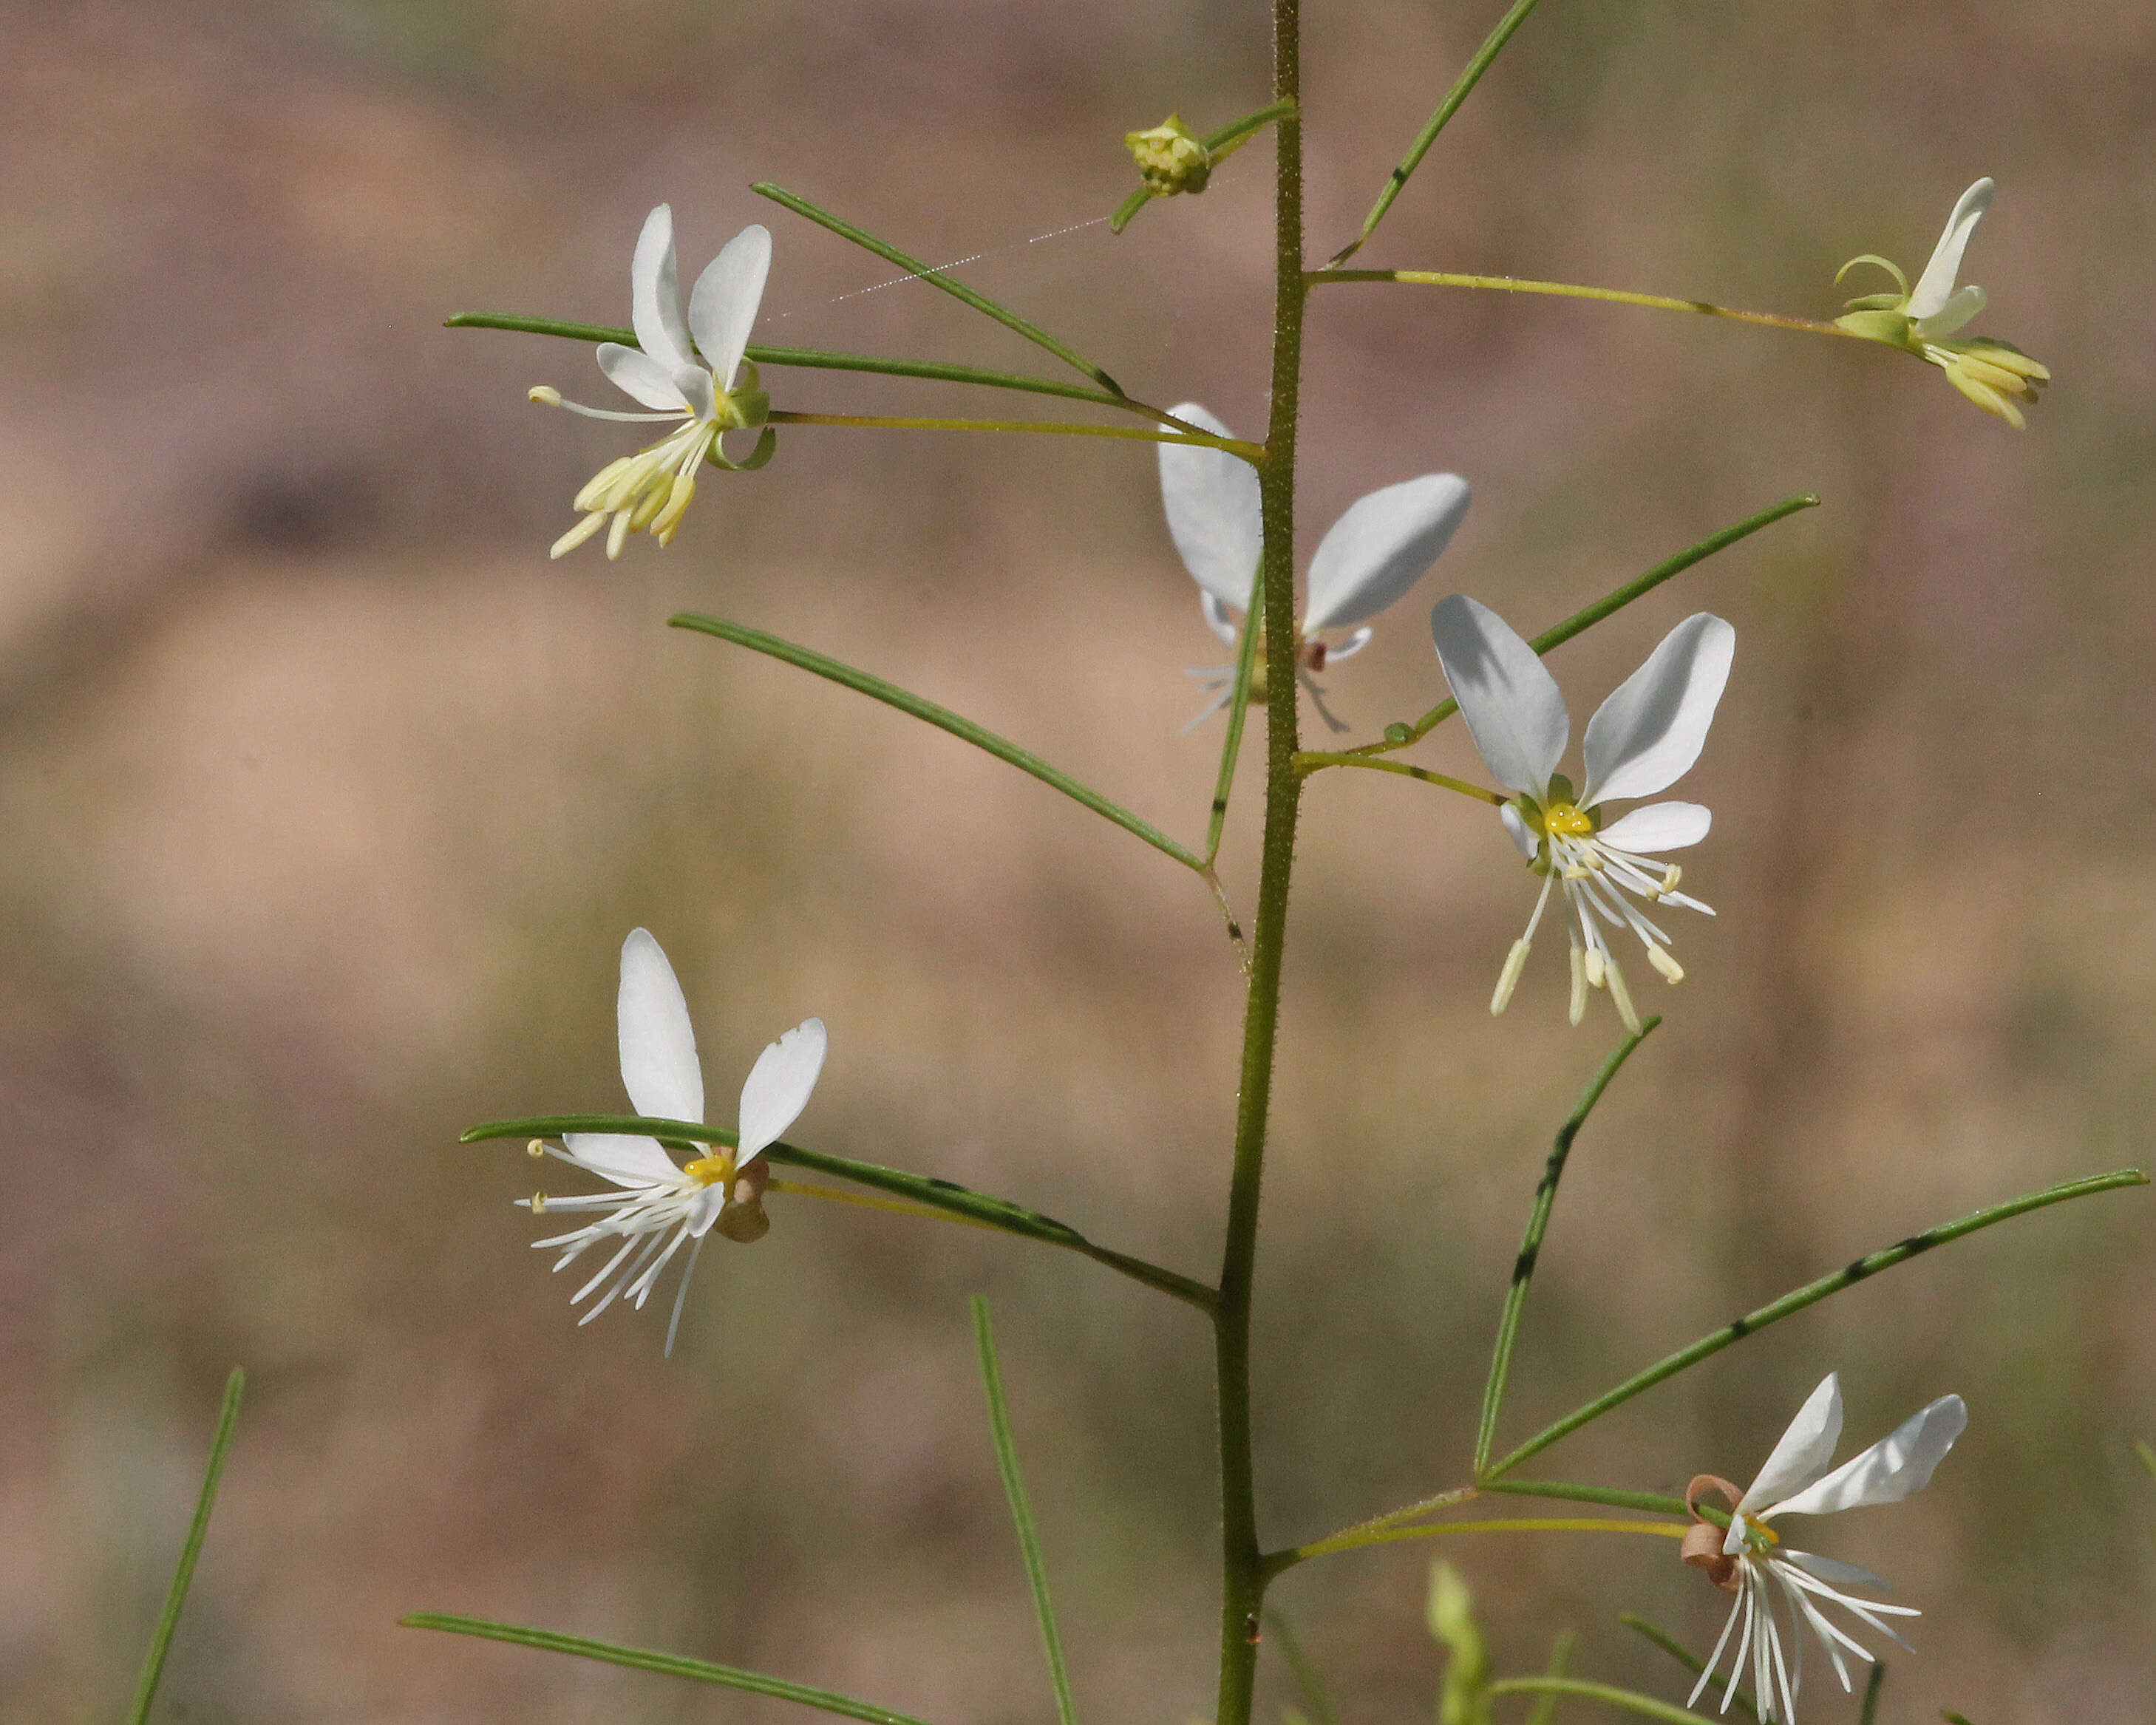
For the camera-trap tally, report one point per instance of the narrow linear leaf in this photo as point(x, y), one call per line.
point(1605, 1692)
point(1810, 1294)
point(1545, 1710)
point(1308, 1683)
point(1951, 1716)
point(812, 358)
point(1492, 46)
point(1239, 711)
point(998, 1212)
point(168, 1619)
point(1539, 1216)
point(1028, 1537)
point(934, 278)
point(1873, 1685)
point(876, 689)
point(1692, 1662)
point(1613, 602)
point(670, 1664)
point(1563, 1491)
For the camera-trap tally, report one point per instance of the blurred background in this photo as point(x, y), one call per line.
point(328, 800)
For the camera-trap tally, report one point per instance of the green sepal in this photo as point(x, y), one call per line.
point(1888, 265)
point(1560, 789)
point(1876, 302)
point(760, 456)
point(1895, 328)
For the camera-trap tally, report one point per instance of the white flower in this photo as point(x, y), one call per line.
point(1993, 374)
point(648, 491)
point(1641, 739)
point(662, 1205)
point(1751, 1562)
point(1368, 558)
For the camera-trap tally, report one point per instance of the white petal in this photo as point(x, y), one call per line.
point(704, 1210)
point(697, 390)
point(1961, 305)
point(1898, 1465)
point(779, 1084)
point(655, 296)
point(1509, 700)
point(722, 306)
point(1658, 826)
point(626, 1161)
point(1381, 547)
point(1805, 1449)
point(1646, 735)
point(1515, 828)
point(657, 1049)
point(1830, 1569)
point(641, 376)
point(1937, 283)
point(1213, 512)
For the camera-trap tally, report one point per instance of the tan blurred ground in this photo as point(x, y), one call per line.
point(328, 800)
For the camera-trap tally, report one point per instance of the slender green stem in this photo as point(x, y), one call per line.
point(1314, 760)
point(1239, 711)
point(1438, 1530)
point(1400, 736)
point(1564, 1491)
point(863, 682)
point(1244, 1574)
point(1615, 1697)
point(168, 1619)
point(1304, 1669)
point(1048, 427)
point(935, 277)
point(1530, 1246)
point(999, 1213)
point(671, 1665)
point(1573, 290)
point(1685, 1657)
point(1028, 1537)
point(1492, 46)
point(1809, 1295)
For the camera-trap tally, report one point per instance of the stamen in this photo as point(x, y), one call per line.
point(1659, 956)
point(1508, 979)
point(535, 1149)
point(579, 534)
point(1579, 986)
point(538, 1204)
point(1623, 996)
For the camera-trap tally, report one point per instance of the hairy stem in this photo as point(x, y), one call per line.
point(1573, 290)
point(1243, 1572)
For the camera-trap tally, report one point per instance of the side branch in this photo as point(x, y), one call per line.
point(876, 689)
point(1234, 446)
point(1809, 1295)
point(1573, 291)
point(925, 1190)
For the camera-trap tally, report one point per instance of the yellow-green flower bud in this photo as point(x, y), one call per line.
point(1465, 1697)
point(1170, 157)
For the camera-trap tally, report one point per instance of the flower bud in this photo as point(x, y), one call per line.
point(1170, 157)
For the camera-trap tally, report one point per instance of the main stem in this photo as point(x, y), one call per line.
point(1244, 1572)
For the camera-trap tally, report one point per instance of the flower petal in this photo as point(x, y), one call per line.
point(657, 1049)
point(624, 1160)
point(1211, 498)
point(698, 390)
point(655, 294)
point(1805, 1449)
point(1647, 735)
point(1510, 700)
point(1515, 829)
point(1830, 1569)
point(1381, 547)
point(1937, 283)
point(641, 376)
point(1898, 1465)
point(722, 306)
point(1961, 305)
point(1658, 826)
point(778, 1085)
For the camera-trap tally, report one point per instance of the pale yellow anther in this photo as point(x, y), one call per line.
point(1598, 967)
point(1578, 1006)
point(1623, 997)
point(545, 395)
point(579, 534)
point(538, 1204)
point(535, 1149)
point(1659, 958)
point(1508, 979)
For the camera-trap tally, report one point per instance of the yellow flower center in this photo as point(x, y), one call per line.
point(1566, 820)
point(716, 1170)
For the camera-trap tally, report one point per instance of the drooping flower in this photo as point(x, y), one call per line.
point(1641, 739)
point(1993, 374)
point(648, 491)
point(1369, 558)
point(1773, 1582)
point(662, 1205)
